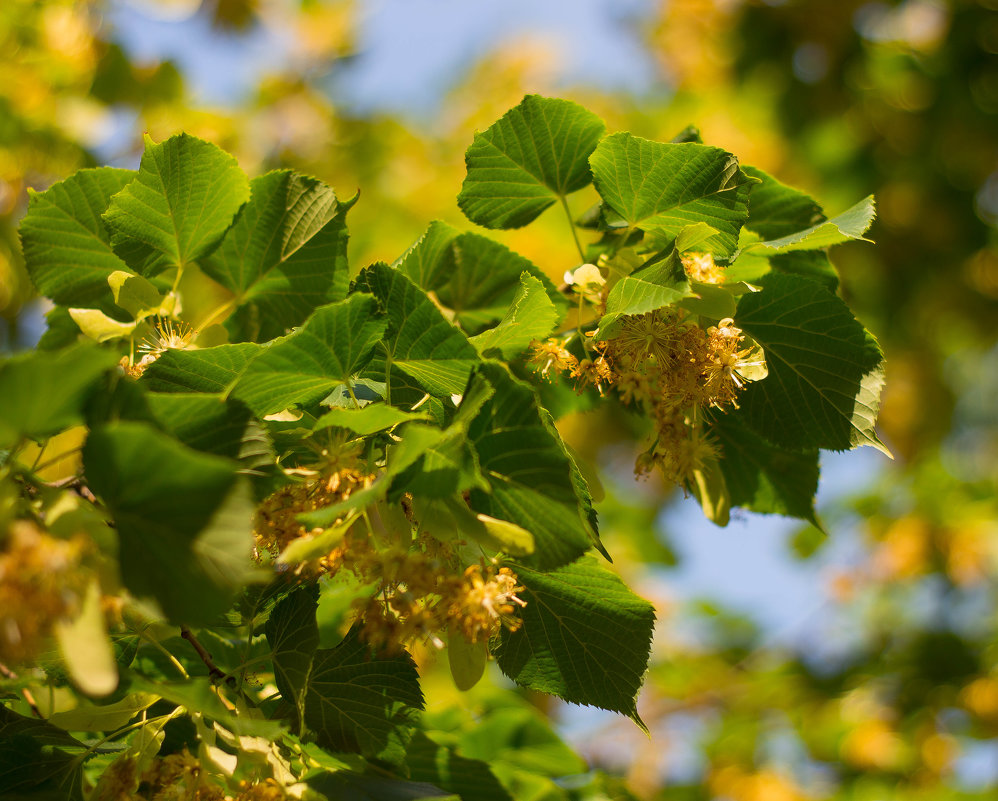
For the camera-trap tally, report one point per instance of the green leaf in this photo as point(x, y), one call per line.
point(67, 249)
point(776, 210)
point(304, 367)
point(368, 420)
point(421, 343)
point(361, 701)
point(665, 187)
point(520, 736)
point(531, 315)
point(471, 779)
point(813, 264)
point(474, 276)
point(523, 163)
point(825, 370)
point(466, 660)
point(44, 391)
point(38, 760)
point(645, 290)
point(100, 327)
point(585, 637)
point(203, 421)
point(285, 255)
point(85, 647)
point(429, 262)
point(849, 225)
point(293, 636)
point(761, 477)
point(179, 206)
point(528, 471)
point(138, 296)
point(91, 717)
point(184, 529)
point(199, 695)
point(206, 370)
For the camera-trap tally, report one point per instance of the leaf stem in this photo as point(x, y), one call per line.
point(159, 647)
point(353, 397)
point(41, 450)
point(221, 310)
point(571, 225)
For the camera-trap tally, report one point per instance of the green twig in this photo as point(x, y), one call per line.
point(571, 225)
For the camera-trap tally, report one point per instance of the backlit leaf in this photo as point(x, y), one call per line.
point(421, 343)
point(44, 391)
point(361, 701)
point(285, 255)
point(67, 248)
point(665, 187)
point(305, 366)
point(523, 163)
point(179, 206)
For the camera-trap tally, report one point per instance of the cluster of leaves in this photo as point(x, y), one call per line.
point(291, 463)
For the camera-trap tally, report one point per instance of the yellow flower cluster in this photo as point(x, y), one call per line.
point(176, 777)
point(41, 582)
point(421, 589)
point(664, 362)
point(425, 596)
point(702, 268)
point(277, 525)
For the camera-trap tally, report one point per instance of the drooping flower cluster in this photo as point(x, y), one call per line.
point(667, 364)
point(426, 597)
point(419, 588)
point(41, 583)
point(702, 268)
point(277, 524)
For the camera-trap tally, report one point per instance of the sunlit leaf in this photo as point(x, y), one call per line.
point(206, 370)
point(528, 471)
point(421, 343)
point(531, 315)
point(849, 225)
point(522, 164)
point(67, 248)
point(285, 255)
point(179, 206)
point(665, 187)
point(303, 367)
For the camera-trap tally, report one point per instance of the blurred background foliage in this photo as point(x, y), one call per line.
point(888, 687)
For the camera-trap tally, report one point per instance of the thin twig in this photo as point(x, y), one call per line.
point(28, 697)
point(214, 672)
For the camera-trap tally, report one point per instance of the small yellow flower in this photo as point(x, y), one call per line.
point(551, 356)
point(700, 267)
point(588, 281)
